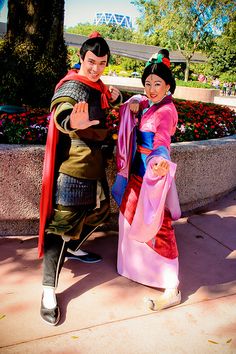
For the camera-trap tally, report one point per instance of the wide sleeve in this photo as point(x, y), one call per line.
point(165, 125)
point(62, 117)
point(149, 214)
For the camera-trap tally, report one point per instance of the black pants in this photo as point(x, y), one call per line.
point(54, 254)
point(79, 222)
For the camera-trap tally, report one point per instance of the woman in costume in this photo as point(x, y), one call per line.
point(145, 187)
point(75, 195)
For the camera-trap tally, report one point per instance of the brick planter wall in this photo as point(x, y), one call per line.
point(206, 171)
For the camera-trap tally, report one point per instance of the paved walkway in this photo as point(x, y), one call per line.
point(104, 313)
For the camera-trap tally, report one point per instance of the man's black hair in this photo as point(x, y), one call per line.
point(97, 46)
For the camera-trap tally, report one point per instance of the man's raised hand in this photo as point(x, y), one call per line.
point(79, 117)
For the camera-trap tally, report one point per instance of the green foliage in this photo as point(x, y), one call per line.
point(73, 56)
point(198, 68)
point(133, 65)
point(227, 77)
point(223, 55)
point(83, 29)
point(107, 31)
point(158, 38)
point(115, 69)
point(29, 76)
point(183, 25)
point(178, 70)
point(196, 84)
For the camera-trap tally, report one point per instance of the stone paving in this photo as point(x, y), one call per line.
point(104, 313)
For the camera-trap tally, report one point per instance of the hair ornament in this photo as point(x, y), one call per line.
point(158, 58)
point(166, 61)
point(95, 34)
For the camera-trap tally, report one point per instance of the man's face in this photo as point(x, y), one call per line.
point(92, 66)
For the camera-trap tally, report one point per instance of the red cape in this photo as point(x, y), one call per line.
point(46, 200)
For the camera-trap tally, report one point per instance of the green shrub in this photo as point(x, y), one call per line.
point(196, 84)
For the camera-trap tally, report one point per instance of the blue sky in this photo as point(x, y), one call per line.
point(3, 13)
point(75, 13)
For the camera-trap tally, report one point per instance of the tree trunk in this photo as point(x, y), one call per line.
point(39, 23)
point(34, 50)
point(186, 73)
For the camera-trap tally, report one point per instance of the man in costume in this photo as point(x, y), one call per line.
point(75, 193)
point(145, 185)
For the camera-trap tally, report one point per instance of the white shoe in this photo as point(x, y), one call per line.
point(163, 302)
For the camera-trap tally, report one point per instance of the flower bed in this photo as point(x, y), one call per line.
point(197, 121)
point(29, 127)
point(203, 121)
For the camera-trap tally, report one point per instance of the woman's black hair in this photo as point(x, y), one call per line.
point(162, 71)
point(96, 45)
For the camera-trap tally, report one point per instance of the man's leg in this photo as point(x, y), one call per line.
point(93, 220)
point(75, 252)
point(54, 256)
point(69, 221)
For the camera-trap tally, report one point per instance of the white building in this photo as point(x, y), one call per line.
point(113, 19)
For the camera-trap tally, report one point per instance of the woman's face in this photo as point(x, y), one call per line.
point(155, 88)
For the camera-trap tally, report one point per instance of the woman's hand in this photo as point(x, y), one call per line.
point(161, 169)
point(134, 106)
point(79, 117)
